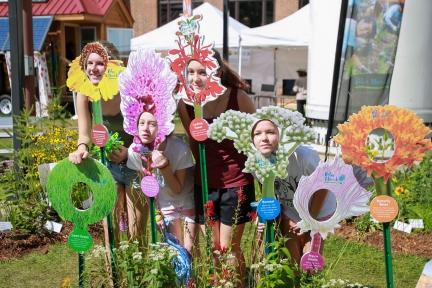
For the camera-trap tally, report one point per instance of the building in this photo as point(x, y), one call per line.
point(252, 13)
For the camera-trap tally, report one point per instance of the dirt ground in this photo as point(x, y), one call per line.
point(17, 244)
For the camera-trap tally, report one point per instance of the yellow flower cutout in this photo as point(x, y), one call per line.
point(107, 88)
point(407, 129)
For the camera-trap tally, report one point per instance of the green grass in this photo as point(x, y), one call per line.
point(38, 270)
point(358, 263)
point(363, 264)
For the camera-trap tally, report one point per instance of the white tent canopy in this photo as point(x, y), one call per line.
point(292, 31)
point(288, 38)
point(211, 26)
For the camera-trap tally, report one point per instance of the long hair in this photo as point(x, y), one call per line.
point(229, 78)
point(110, 49)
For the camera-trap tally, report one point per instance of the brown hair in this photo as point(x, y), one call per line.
point(229, 78)
point(110, 49)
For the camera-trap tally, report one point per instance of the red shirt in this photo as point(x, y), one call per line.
point(224, 162)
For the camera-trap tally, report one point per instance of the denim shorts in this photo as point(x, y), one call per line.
point(123, 175)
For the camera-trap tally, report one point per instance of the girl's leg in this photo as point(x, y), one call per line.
point(228, 237)
point(118, 208)
point(191, 238)
point(175, 228)
point(294, 243)
point(137, 211)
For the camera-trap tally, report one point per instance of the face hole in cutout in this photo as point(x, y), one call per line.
point(265, 136)
point(196, 75)
point(380, 145)
point(81, 196)
point(327, 210)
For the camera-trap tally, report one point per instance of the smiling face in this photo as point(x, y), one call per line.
point(265, 136)
point(147, 128)
point(95, 68)
point(197, 76)
point(363, 28)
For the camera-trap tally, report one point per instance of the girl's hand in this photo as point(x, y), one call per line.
point(160, 224)
point(79, 155)
point(118, 156)
point(159, 160)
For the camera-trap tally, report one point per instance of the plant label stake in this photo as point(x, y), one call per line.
point(61, 180)
point(150, 188)
point(410, 145)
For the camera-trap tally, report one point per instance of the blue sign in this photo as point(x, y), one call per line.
point(268, 208)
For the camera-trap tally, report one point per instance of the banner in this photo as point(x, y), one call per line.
point(368, 56)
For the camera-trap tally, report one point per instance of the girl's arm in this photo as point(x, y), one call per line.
point(175, 181)
point(318, 199)
point(184, 117)
point(84, 127)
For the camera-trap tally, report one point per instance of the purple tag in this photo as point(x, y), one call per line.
point(149, 186)
point(311, 261)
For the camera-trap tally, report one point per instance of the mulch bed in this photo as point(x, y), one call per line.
point(11, 247)
point(419, 244)
point(15, 245)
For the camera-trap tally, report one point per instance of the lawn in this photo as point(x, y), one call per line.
point(343, 260)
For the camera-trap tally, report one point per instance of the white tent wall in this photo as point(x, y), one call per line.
point(287, 62)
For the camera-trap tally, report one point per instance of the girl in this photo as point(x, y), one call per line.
point(89, 74)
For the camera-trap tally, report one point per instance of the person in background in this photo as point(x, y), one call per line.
point(300, 88)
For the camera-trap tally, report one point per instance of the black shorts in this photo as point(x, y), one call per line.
point(225, 202)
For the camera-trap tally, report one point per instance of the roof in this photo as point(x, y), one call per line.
point(41, 26)
point(65, 7)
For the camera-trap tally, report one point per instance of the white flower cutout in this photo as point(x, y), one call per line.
point(237, 126)
point(338, 178)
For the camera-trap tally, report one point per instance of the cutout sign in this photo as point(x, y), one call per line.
point(91, 172)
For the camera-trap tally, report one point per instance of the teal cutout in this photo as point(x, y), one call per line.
point(91, 172)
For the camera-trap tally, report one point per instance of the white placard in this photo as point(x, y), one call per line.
point(87, 203)
point(5, 227)
point(416, 223)
point(407, 228)
point(53, 226)
point(373, 219)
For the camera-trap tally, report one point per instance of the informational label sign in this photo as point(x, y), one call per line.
point(53, 226)
point(401, 226)
point(99, 135)
point(80, 240)
point(268, 208)
point(311, 261)
point(150, 186)
point(384, 208)
point(198, 129)
point(416, 223)
point(5, 226)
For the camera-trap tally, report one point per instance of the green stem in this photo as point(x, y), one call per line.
point(268, 186)
point(153, 220)
point(97, 119)
point(381, 187)
point(81, 262)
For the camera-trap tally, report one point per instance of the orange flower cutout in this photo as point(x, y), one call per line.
point(407, 129)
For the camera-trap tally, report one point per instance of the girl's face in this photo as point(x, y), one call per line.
point(147, 128)
point(197, 76)
point(265, 137)
point(95, 68)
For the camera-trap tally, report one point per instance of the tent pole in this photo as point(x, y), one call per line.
point(275, 79)
point(240, 57)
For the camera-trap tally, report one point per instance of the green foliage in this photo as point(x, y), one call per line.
point(364, 223)
point(414, 191)
point(151, 268)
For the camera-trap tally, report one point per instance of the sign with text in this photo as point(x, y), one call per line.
point(384, 208)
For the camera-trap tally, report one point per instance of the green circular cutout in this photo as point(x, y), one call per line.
point(80, 240)
point(91, 172)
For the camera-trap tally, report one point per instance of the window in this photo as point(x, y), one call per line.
point(303, 3)
point(121, 38)
point(252, 13)
point(170, 10)
point(87, 35)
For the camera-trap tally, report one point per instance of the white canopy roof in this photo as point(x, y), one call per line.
point(211, 26)
point(291, 31)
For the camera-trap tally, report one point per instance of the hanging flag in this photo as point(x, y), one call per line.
point(368, 53)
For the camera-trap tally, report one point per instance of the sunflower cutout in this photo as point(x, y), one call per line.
point(190, 47)
point(78, 81)
point(407, 129)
